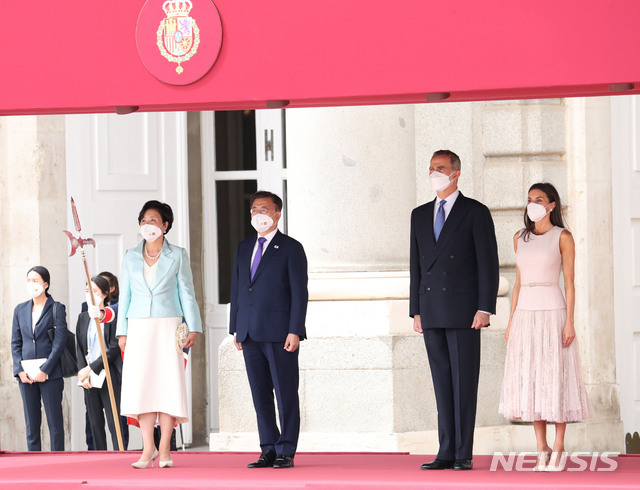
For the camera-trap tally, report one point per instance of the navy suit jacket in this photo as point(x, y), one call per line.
point(274, 303)
point(27, 343)
point(453, 278)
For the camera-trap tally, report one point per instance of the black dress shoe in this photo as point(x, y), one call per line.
point(462, 464)
point(265, 460)
point(283, 462)
point(438, 464)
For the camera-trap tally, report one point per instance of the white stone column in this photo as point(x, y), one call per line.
point(33, 211)
point(590, 220)
point(351, 185)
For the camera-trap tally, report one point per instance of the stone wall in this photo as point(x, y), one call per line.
point(33, 211)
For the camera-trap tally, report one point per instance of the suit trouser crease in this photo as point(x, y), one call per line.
point(269, 368)
point(454, 359)
point(50, 392)
point(98, 405)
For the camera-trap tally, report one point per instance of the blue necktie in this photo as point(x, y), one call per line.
point(437, 227)
point(258, 257)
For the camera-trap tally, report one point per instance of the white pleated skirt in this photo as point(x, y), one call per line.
point(153, 377)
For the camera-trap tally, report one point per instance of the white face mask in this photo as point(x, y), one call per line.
point(34, 289)
point(537, 211)
point(97, 297)
point(261, 222)
point(440, 181)
point(150, 232)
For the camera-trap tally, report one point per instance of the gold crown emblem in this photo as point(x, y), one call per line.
point(177, 8)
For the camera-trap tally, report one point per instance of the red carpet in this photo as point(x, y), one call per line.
point(199, 470)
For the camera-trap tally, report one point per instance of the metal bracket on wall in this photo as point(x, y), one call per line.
point(268, 145)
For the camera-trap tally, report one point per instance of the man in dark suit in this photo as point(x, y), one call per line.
point(453, 291)
point(268, 309)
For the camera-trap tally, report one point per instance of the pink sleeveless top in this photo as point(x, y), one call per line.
point(540, 264)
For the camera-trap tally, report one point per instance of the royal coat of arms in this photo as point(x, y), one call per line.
point(178, 34)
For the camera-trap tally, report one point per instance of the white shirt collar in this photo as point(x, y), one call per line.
point(269, 237)
point(449, 200)
point(448, 205)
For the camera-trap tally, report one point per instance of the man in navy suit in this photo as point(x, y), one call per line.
point(268, 309)
point(453, 291)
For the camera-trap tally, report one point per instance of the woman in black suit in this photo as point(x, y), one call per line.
point(90, 361)
point(30, 340)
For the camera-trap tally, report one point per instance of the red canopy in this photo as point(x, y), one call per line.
point(74, 56)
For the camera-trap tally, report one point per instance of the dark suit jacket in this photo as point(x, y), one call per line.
point(27, 343)
point(274, 304)
point(110, 344)
point(457, 276)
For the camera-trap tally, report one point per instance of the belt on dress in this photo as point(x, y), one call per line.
point(538, 284)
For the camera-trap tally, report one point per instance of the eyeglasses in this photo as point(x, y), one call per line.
point(262, 210)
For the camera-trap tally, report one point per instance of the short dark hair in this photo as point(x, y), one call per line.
point(44, 274)
point(164, 209)
point(453, 158)
point(113, 283)
point(104, 286)
point(266, 195)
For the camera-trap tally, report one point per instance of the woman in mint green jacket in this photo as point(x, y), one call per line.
point(156, 293)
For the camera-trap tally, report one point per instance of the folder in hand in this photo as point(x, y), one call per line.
point(32, 366)
point(96, 380)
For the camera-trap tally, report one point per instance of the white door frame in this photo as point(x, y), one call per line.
point(114, 164)
point(270, 175)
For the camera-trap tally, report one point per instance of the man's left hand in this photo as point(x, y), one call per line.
point(480, 320)
point(292, 342)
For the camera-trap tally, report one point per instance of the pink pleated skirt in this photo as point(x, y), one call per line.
point(542, 380)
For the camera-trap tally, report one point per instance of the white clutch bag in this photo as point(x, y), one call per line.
point(182, 331)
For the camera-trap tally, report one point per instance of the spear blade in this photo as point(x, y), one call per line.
point(76, 219)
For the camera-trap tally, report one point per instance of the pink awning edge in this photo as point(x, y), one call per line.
point(80, 57)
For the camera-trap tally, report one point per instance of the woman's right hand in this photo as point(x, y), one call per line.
point(506, 334)
point(122, 342)
point(24, 378)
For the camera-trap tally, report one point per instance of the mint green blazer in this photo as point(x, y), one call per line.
point(171, 293)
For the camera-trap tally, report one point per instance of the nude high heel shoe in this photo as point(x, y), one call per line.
point(557, 461)
point(144, 464)
point(166, 464)
point(543, 460)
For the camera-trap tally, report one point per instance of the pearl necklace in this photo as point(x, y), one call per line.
point(146, 252)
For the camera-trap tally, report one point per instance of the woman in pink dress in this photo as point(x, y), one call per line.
point(542, 375)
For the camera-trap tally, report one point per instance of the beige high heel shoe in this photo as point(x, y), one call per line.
point(166, 464)
point(559, 460)
point(144, 464)
point(543, 460)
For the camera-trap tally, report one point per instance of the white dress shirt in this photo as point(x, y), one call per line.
point(450, 201)
point(269, 237)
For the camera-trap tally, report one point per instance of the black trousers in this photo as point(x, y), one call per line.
point(49, 393)
point(270, 368)
point(98, 406)
point(454, 358)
